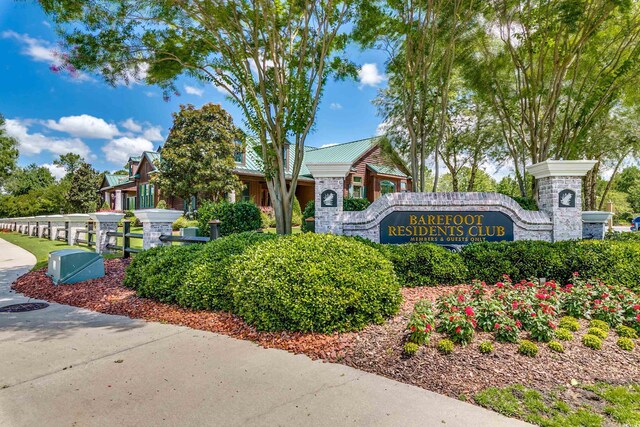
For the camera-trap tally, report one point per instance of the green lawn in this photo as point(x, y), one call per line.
point(40, 248)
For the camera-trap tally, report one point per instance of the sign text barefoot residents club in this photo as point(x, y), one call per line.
point(446, 228)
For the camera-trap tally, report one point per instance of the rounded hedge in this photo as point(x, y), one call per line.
point(206, 284)
point(445, 346)
point(426, 264)
point(592, 341)
point(234, 217)
point(313, 282)
point(159, 272)
point(528, 348)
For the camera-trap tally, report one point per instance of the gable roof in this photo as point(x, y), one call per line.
point(114, 180)
point(347, 152)
point(386, 170)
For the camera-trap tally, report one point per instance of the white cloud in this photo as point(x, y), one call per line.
point(335, 106)
point(35, 143)
point(370, 76)
point(191, 90)
point(153, 133)
point(38, 49)
point(119, 150)
point(58, 172)
point(84, 126)
point(131, 125)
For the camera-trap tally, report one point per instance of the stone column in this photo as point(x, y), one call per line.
point(104, 223)
point(56, 223)
point(118, 204)
point(43, 220)
point(594, 224)
point(76, 222)
point(156, 223)
point(329, 189)
point(560, 194)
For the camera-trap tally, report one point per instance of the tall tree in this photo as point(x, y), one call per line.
point(198, 157)
point(83, 195)
point(421, 39)
point(70, 162)
point(272, 57)
point(31, 177)
point(551, 68)
point(8, 153)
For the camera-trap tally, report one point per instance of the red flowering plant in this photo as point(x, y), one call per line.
point(488, 312)
point(421, 323)
point(576, 298)
point(506, 329)
point(542, 323)
point(458, 324)
point(478, 289)
point(607, 310)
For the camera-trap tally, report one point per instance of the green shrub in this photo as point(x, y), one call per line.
point(564, 334)
point(569, 323)
point(410, 348)
point(162, 204)
point(135, 222)
point(296, 213)
point(206, 283)
point(183, 222)
point(625, 343)
point(598, 333)
point(526, 203)
point(313, 282)
point(267, 217)
point(556, 346)
point(592, 341)
point(521, 259)
point(159, 272)
point(234, 217)
point(309, 212)
point(626, 332)
point(445, 346)
point(353, 204)
point(426, 264)
point(599, 324)
point(486, 347)
point(528, 348)
point(422, 322)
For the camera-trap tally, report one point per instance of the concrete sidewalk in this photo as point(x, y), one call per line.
point(68, 366)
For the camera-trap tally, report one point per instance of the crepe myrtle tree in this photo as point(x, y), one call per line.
point(272, 58)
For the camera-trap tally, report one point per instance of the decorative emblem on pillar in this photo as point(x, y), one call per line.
point(567, 199)
point(329, 199)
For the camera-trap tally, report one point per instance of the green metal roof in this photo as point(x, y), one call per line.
point(386, 170)
point(348, 152)
point(153, 157)
point(114, 180)
point(135, 158)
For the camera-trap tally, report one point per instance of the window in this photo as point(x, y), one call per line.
point(146, 196)
point(356, 188)
point(246, 197)
point(403, 186)
point(387, 187)
point(238, 154)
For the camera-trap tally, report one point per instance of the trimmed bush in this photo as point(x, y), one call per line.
point(353, 204)
point(528, 348)
point(592, 341)
point(600, 324)
point(410, 348)
point(486, 347)
point(556, 346)
point(598, 332)
point(564, 334)
point(183, 222)
point(234, 217)
point(521, 259)
point(626, 332)
point(445, 346)
point(313, 282)
point(159, 272)
point(569, 323)
point(309, 212)
point(625, 343)
point(206, 283)
point(426, 264)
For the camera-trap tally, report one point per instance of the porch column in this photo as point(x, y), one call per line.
point(118, 206)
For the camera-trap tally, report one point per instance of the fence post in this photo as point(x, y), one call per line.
point(55, 225)
point(76, 222)
point(126, 241)
point(90, 228)
point(214, 230)
point(156, 223)
point(104, 222)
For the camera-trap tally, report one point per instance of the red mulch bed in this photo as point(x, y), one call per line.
point(107, 295)
point(376, 349)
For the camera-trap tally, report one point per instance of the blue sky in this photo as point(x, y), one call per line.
point(52, 114)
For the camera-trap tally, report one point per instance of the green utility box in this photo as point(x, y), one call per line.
point(68, 266)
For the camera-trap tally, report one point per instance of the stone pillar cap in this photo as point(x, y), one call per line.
point(107, 216)
point(157, 215)
point(329, 170)
point(560, 168)
point(76, 217)
point(596, 216)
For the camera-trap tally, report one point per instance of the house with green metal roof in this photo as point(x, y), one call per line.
point(371, 175)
